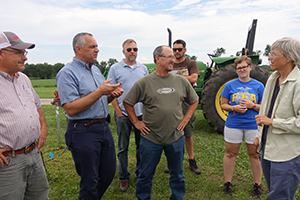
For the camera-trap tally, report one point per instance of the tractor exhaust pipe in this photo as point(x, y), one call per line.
point(170, 37)
point(248, 50)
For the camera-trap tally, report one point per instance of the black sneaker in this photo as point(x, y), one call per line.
point(256, 193)
point(228, 188)
point(193, 166)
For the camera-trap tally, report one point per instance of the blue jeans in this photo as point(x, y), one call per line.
point(24, 177)
point(93, 152)
point(150, 156)
point(124, 126)
point(283, 178)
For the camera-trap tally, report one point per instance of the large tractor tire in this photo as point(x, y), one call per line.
point(211, 93)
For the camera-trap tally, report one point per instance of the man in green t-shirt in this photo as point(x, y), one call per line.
point(162, 94)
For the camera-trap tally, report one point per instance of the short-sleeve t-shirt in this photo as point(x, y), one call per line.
point(236, 90)
point(162, 98)
point(186, 68)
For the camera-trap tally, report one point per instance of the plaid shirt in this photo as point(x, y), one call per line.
point(19, 119)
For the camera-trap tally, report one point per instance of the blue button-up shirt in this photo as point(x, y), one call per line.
point(121, 72)
point(75, 81)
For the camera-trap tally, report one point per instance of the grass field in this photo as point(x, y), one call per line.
point(44, 87)
point(43, 82)
point(209, 151)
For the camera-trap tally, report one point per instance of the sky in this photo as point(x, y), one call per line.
point(205, 25)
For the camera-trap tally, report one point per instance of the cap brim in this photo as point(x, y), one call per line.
point(23, 45)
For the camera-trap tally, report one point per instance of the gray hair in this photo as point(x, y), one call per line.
point(158, 51)
point(289, 47)
point(79, 40)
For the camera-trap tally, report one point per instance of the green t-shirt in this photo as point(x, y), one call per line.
point(162, 98)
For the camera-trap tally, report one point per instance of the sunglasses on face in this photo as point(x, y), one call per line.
point(177, 49)
point(130, 49)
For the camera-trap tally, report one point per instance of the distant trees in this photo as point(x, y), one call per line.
point(47, 71)
point(219, 51)
point(103, 65)
point(190, 57)
point(267, 50)
point(42, 71)
point(111, 61)
point(239, 53)
point(57, 67)
point(258, 52)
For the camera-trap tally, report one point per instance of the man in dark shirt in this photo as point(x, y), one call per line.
point(189, 69)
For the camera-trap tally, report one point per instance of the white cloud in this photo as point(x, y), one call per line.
point(184, 3)
point(205, 25)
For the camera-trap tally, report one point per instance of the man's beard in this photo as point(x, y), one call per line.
point(178, 56)
point(132, 59)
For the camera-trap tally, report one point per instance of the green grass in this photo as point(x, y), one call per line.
point(45, 92)
point(208, 148)
point(44, 87)
point(43, 82)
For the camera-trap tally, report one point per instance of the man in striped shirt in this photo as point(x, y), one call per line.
point(23, 128)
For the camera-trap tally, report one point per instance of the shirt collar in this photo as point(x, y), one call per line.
point(83, 64)
point(125, 65)
point(6, 75)
point(293, 75)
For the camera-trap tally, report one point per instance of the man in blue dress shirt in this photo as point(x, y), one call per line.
point(84, 94)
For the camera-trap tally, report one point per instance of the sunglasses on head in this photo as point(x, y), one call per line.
point(177, 49)
point(134, 49)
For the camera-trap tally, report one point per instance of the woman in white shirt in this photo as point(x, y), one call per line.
point(278, 135)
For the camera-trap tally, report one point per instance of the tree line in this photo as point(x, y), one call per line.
point(47, 71)
point(219, 51)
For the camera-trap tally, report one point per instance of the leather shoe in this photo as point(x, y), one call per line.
point(166, 169)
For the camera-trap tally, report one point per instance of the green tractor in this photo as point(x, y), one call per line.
point(212, 79)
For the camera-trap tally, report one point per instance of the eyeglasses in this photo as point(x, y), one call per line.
point(241, 68)
point(21, 53)
point(130, 49)
point(177, 49)
point(171, 57)
point(273, 54)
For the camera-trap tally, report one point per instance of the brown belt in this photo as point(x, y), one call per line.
point(20, 151)
point(89, 121)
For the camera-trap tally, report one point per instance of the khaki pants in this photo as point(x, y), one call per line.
point(24, 178)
